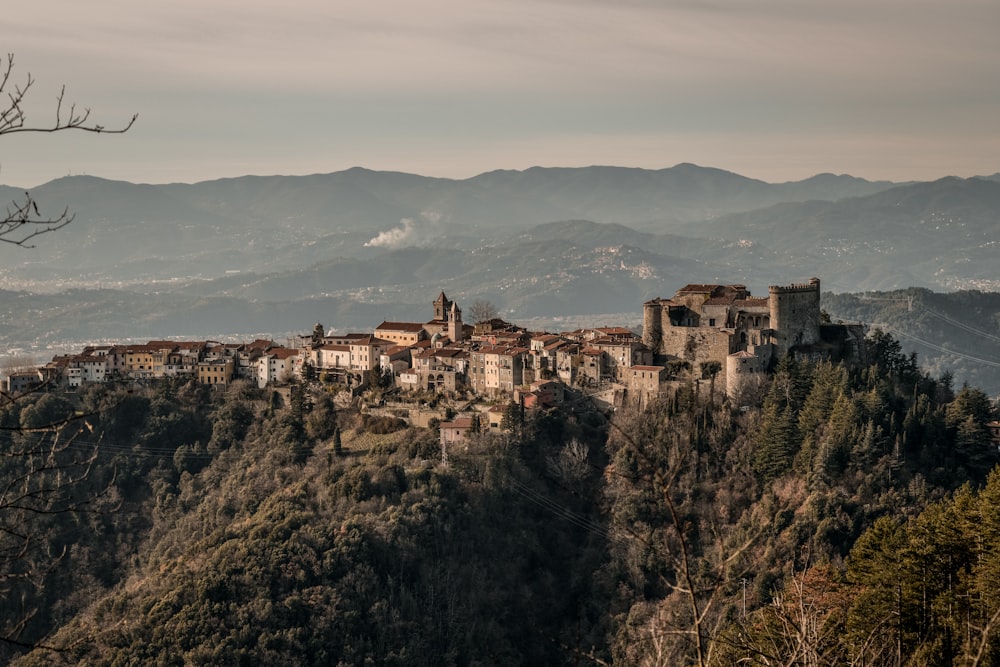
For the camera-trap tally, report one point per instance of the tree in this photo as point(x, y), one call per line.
point(23, 220)
point(679, 555)
point(709, 369)
point(378, 377)
point(967, 416)
point(803, 625)
point(48, 449)
point(321, 421)
point(47, 457)
point(886, 353)
point(338, 445)
point(482, 311)
point(513, 418)
point(777, 442)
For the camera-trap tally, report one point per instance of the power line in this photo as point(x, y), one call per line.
point(137, 450)
point(933, 346)
point(539, 499)
point(962, 325)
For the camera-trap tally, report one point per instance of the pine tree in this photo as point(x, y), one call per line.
point(833, 450)
point(987, 570)
point(338, 447)
point(777, 443)
point(881, 609)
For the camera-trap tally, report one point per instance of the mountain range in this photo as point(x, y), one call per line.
point(126, 231)
point(277, 253)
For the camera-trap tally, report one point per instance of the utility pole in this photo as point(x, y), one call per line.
point(743, 582)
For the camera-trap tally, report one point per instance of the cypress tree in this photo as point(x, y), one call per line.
point(338, 447)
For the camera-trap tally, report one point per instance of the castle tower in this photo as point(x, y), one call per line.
point(741, 369)
point(455, 331)
point(652, 325)
point(795, 315)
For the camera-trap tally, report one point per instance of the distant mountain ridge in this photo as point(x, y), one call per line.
point(536, 195)
point(264, 222)
point(943, 234)
point(278, 253)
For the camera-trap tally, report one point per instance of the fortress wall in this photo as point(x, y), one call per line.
point(789, 318)
point(696, 345)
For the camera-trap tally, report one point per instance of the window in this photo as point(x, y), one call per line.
point(711, 321)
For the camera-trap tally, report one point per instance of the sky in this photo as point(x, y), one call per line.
point(778, 90)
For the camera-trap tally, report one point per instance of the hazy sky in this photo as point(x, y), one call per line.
point(772, 89)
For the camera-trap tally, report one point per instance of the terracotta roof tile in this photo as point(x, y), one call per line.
point(411, 327)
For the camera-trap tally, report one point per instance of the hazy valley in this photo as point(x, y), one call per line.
point(272, 255)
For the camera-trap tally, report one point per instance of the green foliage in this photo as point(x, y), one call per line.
point(44, 412)
point(931, 584)
point(834, 452)
point(776, 447)
point(886, 355)
point(964, 322)
point(513, 418)
point(321, 422)
point(381, 424)
point(230, 423)
point(252, 551)
point(338, 445)
point(853, 517)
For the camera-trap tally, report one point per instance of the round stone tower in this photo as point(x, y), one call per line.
point(741, 368)
point(794, 315)
point(652, 325)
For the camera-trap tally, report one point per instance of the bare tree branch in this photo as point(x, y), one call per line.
point(23, 221)
point(696, 578)
point(47, 465)
point(13, 119)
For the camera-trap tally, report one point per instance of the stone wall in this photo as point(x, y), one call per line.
point(697, 345)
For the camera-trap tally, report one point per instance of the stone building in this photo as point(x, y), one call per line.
point(645, 382)
point(723, 330)
point(401, 333)
point(447, 320)
point(494, 370)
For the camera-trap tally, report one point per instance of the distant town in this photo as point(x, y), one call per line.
point(719, 335)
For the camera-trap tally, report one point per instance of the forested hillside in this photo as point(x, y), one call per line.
point(846, 517)
point(956, 333)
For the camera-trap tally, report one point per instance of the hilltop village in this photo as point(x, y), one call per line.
point(718, 336)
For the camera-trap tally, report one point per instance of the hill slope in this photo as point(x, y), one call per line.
point(941, 235)
point(228, 527)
